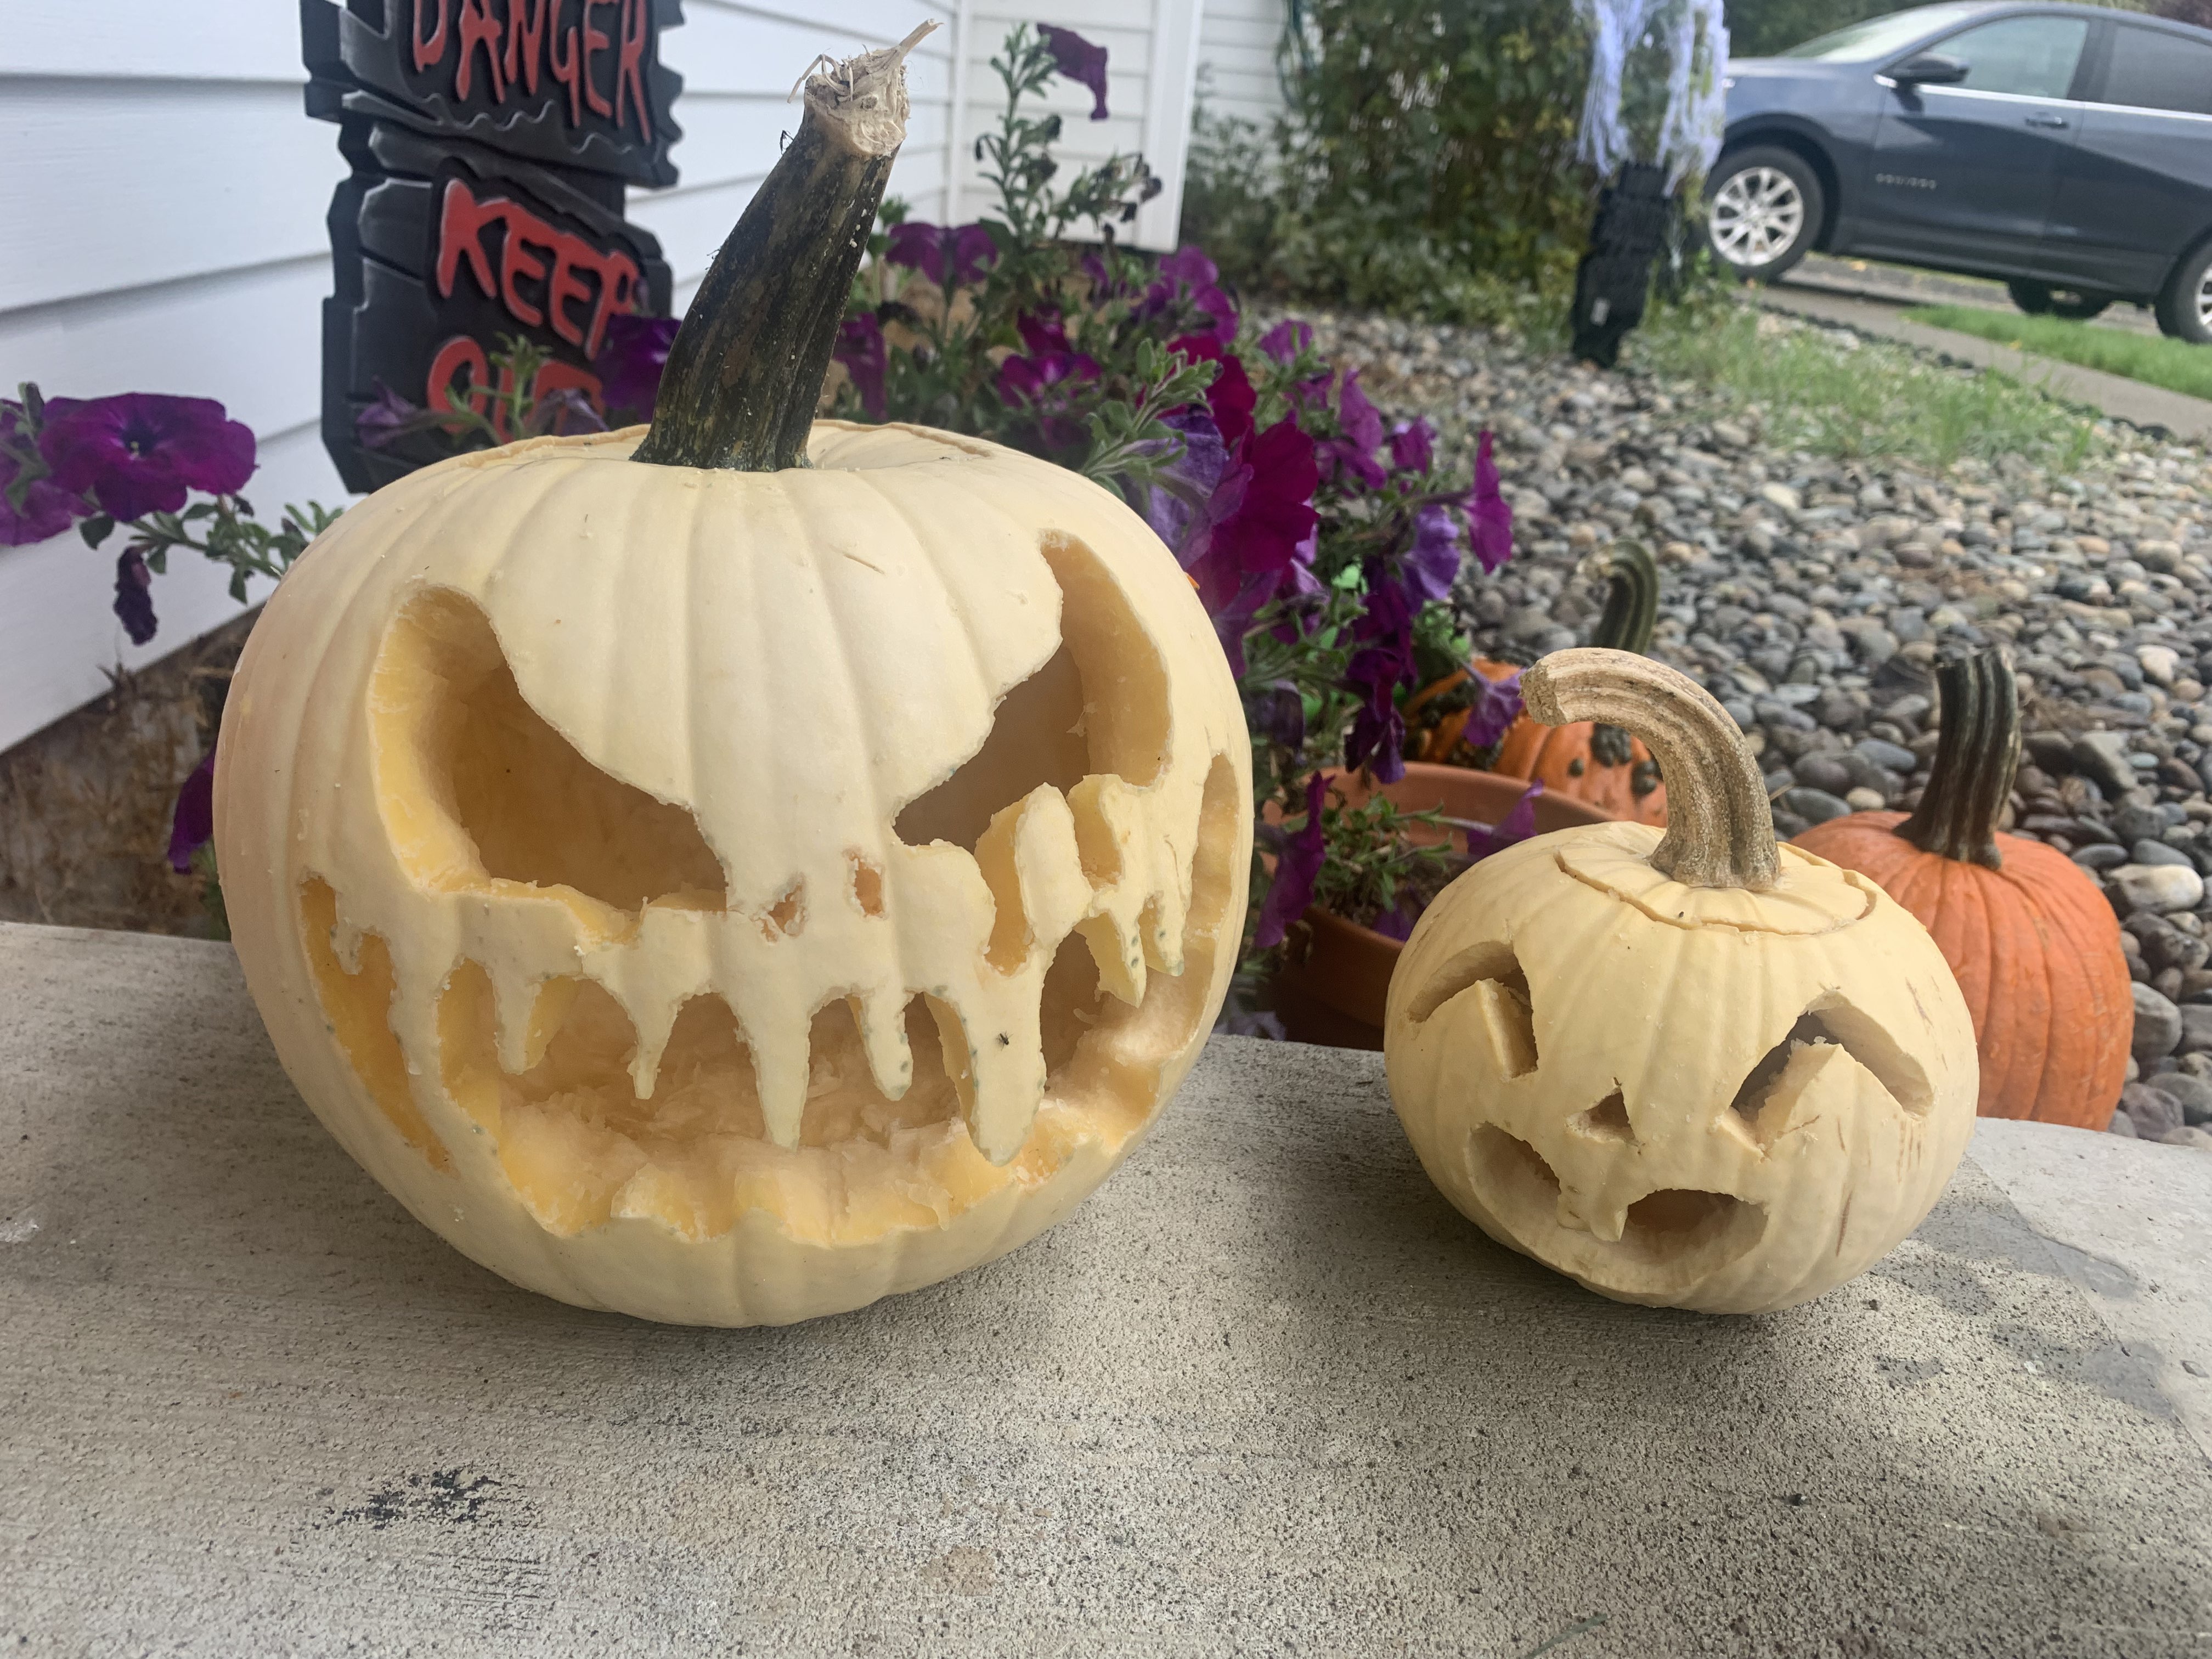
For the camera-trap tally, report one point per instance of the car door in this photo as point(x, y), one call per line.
point(1965, 174)
point(2137, 189)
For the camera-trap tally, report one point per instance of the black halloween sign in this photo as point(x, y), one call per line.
point(490, 141)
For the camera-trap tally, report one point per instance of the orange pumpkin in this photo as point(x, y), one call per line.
point(2032, 943)
point(1585, 760)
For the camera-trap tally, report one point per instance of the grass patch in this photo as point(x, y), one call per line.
point(2177, 365)
point(1837, 395)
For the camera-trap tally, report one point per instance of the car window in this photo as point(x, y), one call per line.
point(2031, 56)
point(1878, 37)
point(2153, 70)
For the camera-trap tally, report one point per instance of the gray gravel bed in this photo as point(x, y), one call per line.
point(1813, 597)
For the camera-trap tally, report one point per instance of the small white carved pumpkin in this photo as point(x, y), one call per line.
point(1684, 1070)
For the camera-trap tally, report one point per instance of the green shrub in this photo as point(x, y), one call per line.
point(1426, 164)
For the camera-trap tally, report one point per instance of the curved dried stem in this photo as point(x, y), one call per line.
point(1720, 830)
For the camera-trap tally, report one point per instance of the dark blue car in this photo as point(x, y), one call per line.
point(2065, 150)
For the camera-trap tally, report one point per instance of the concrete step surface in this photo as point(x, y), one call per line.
point(1265, 1393)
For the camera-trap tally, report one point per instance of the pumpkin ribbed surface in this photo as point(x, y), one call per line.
point(2037, 955)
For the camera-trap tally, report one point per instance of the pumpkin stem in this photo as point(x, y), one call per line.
point(744, 371)
point(1632, 601)
point(1720, 830)
point(1977, 752)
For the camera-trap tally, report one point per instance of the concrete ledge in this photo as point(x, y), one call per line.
point(1266, 1393)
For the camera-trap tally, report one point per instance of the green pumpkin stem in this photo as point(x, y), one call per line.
point(1977, 752)
point(1632, 601)
point(744, 371)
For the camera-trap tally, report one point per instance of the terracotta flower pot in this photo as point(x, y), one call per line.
point(1336, 973)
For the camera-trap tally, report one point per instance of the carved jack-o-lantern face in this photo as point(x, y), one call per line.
point(1728, 1097)
point(731, 896)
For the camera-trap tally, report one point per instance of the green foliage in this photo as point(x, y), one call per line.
point(2177, 365)
point(1376, 868)
point(1837, 395)
point(1760, 28)
point(1426, 165)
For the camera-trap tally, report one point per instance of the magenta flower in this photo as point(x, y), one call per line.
point(1496, 706)
point(630, 363)
point(860, 347)
point(1079, 61)
point(1489, 515)
point(142, 452)
point(32, 506)
point(1232, 397)
point(193, 826)
point(1276, 518)
point(1194, 491)
point(1412, 446)
point(963, 251)
point(1042, 333)
point(1298, 867)
point(1287, 340)
point(134, 597)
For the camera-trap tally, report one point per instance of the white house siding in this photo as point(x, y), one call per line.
point(161, 229)
point(1236, 69)
point(1151, 67)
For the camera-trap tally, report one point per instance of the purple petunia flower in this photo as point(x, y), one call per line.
point(1276, 518)
point(1045, 385)
point(1298, 867)
point(1277, 713)
point(1193, 492)
point(134, 598)
point(142, 452)
point(1413, 445)
point(860, 347)
point(1515, 827)
point(192, 827)
point(1489, 515)
point(1431, 563)
point(1079, 61)
point(386, 419)
point(1286, 340)
point(1496, 706)
point(964, 252)
point(1361, 425)
point(1187, 276)
point(45, 508)
point(630, 363)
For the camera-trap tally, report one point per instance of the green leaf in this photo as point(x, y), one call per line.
point(96, 529)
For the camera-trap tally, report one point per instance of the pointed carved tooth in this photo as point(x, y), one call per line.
point(882, 1020)
point(1609, 1222)
point(547, 1015)
point(1120, 958)
point(514, 1003)
point(1032, 863)
point(652, 1023)
point(780, 1071)
point(1007, 1054)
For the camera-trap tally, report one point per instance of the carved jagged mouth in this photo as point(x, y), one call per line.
point(571, 971)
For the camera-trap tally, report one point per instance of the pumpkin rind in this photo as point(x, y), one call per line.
point(1695, 1071)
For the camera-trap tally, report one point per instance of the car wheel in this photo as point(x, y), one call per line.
point(2184, 307)
point(1763, 208)
point(2041, 300)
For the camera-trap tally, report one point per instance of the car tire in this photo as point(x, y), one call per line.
point(2184, 305)
point(1763, 211)
point(2041, 300)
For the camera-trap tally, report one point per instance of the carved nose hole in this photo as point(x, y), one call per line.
point(1607, 1119)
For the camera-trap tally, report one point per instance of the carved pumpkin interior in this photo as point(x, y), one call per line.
point(478, 792)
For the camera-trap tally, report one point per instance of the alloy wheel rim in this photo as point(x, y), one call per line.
point(1758, 214)
point(2205, 302)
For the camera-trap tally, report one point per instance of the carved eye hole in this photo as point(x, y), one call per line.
point(475, 786)
point(1830, 1031)
point(1491, 975)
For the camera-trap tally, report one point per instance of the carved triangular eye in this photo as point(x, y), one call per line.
point(1831, 1025)
point(1608, 1120)
point(1491, 974)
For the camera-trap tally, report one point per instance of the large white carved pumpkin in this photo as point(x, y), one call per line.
point(729, 895)
point(1682, 1069)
